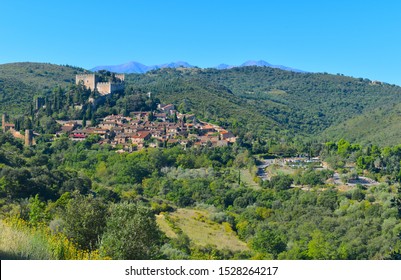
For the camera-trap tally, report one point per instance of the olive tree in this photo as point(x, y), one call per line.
point(131, 233)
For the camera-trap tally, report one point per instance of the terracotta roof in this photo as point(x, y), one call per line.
point(141, 134)
point(78, 135)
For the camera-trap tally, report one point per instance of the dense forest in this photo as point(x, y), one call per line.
point(61, 199)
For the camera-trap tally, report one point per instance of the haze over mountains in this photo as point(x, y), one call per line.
point(139, 68)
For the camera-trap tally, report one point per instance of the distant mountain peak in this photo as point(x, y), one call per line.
point(260, 63)
point(139, 68)
point(224, 66)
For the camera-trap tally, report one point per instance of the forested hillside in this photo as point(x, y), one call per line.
point(255, 102)
point(21, 82)
point(271, 99)
point(381, 126)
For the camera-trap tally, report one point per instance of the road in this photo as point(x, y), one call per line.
point(262, 168)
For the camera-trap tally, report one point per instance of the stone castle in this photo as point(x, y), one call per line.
point(93, 81)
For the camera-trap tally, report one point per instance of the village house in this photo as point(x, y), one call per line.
point(136, 132)
point(227, 135)
point(78, 135)
point(161, 116)
point(121, 139)
point(68, 127)
point(168, 109)
point(109, 124)
point(141, 137)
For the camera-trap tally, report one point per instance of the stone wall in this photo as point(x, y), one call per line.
point(121, 77)
point(116, 87)
point(89, 80)
point(103, 88)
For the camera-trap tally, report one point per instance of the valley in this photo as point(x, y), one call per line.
point(187, 163)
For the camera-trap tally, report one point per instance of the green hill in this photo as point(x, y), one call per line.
point(191, 92)
point(255, 102)
point(20, 82)
point(381, 126)
point(307, 102)
point(264, 100)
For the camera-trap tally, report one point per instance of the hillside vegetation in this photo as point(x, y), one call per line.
point(262, 100)
point(106, 204)
point(64, 199)
point(20, 82)
point(255, 102)
point(380, 126)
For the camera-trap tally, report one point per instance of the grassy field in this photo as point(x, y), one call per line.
point(164, 226)
point(247, 178)
point(275, 169)
point(201, 230)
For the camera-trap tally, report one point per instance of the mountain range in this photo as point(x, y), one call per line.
point(139, 68)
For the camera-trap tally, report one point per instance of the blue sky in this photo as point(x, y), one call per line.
point(353, 37)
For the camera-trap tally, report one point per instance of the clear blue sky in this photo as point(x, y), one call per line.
point(360, 38)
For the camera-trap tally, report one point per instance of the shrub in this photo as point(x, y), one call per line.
point(131, 233)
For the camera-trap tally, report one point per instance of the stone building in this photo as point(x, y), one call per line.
point(93, 81)
point(6, 126)
point(28, 137)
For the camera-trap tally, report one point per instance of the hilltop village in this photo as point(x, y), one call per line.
point(165, 127)
point(162, 127)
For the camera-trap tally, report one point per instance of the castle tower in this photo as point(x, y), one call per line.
point(89, 80)
point(28, 137)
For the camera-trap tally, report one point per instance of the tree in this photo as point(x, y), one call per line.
point(267, 242)
point(93, 120)
point(37, 211)
point(125, 110)
point(85, 220)
point(343, 148)
point(151, 116)
point(280, 182)
point(131, 233)
point(84, 121)
point(319, 248)
point(80, 184)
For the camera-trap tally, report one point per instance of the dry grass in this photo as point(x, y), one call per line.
point(202, 231)
point(275, 169)
point(20, 245)
point(164, 226)
point(19, 241)
point(247, 178)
